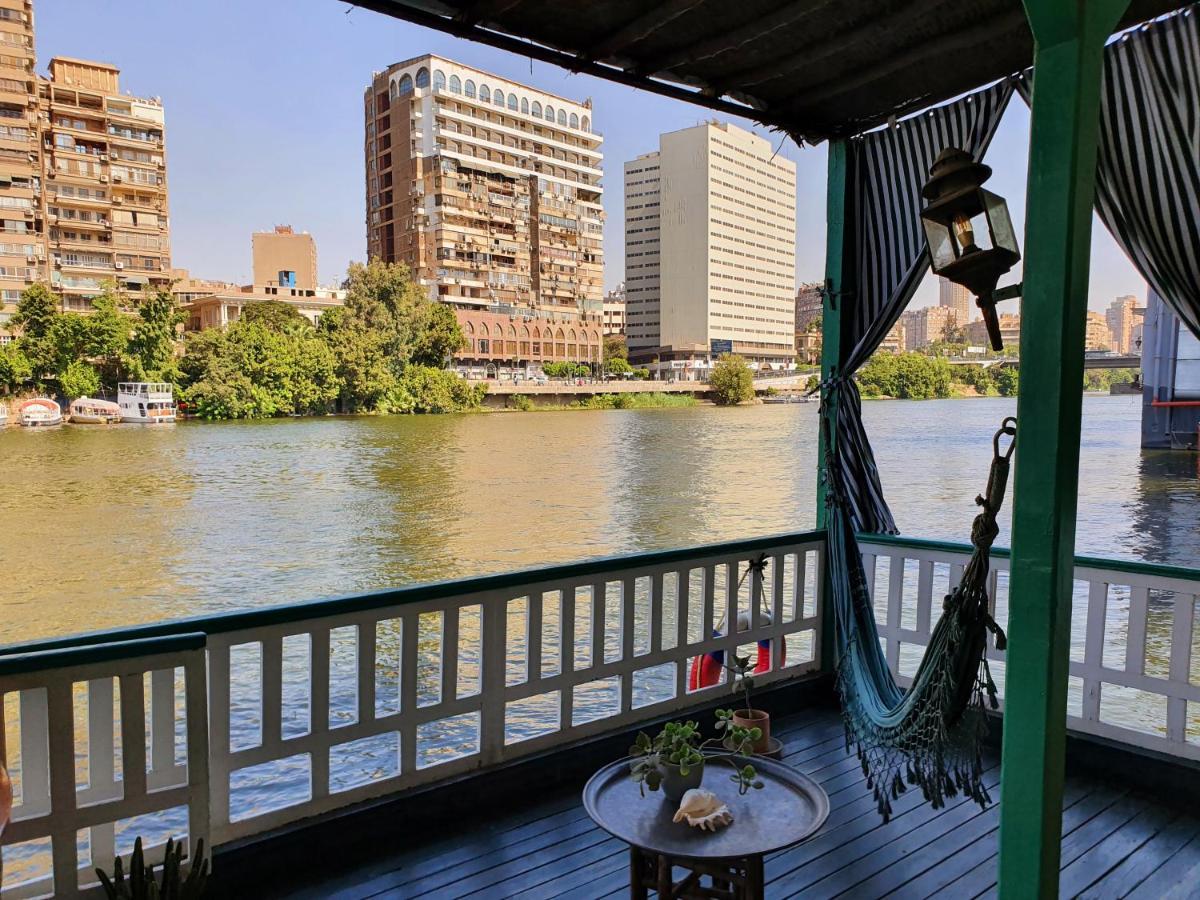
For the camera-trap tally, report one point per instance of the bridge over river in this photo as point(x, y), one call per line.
point(1089, 362)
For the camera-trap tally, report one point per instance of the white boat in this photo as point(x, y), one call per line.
point(3, 415)
point(146, 402)
point(88, 411)
point(41, 412)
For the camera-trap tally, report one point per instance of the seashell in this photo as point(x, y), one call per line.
point(703, 809)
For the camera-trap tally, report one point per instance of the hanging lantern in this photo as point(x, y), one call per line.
point(969, 232)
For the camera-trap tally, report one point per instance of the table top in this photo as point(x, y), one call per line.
point(789, 808)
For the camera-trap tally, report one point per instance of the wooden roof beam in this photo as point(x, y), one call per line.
point(483, 10)
point(641, 28)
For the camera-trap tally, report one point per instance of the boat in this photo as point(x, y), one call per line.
point(3, 415)
point(89, 411)
point(41, 412)
point(146, 402)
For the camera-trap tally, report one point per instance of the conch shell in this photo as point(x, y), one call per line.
point(703, 809)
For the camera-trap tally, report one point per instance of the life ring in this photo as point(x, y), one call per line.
point(705, 670)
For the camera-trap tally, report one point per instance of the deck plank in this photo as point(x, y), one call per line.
point(1115, 844)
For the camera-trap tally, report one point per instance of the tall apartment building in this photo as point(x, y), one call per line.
point(1010, 331)
point(614, 311)
point(83, 188)
point(957, 297)
point(489, 190)
point(1123, 317)
point(22, 248)
point(929, 324)
point(710, 250)
point(106, 187)
point(1097, 335)
point(810, 304)
point(284, 258)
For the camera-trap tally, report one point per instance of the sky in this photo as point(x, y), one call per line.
point(263, 103)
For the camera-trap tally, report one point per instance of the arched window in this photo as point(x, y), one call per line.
point(485, 93)
point(571, 334)
point(405, 86)
point(422, 77)
point(483, 329)
point(525, 332)
point(562, 117)
point(559, 335)
point(470, 328)
point(549, 113)
point(525, 105)
point(512, 102)
point(456, 85)
point(512, 330)
point(392, 91)
point(587, 125)
point(469, 89)
point(537, 109)
point(498, 98)
point(439, 80)
point(574, 120)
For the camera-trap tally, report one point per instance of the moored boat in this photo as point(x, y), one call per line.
point(41, 412)
point(89, 411)
point(3, 415)
point(147, 403)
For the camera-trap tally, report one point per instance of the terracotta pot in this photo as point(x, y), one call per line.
point(675, 784)
point(755, 718)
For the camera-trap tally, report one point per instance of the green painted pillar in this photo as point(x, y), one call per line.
point(839, 284)
point(1069, 38)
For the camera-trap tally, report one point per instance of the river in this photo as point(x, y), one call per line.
point(105, 527)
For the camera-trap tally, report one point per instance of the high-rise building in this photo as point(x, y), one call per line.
point(284, 258)
point(22, 246)
point(810, 304)
point(489, 190)
point(894, 341)
point(106, 188)
point(710, 250)
point(957, 297)
point(1098, 336)
point(1010, 331)
point(1123, 316)
point(929, 324)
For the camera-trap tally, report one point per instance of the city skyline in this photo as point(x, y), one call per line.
point(276, 167)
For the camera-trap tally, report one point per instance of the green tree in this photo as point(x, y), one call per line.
point(36, 313)
point(437, 336)
point(615, 347)
point(906, 376)
point(731, 380)
point(618, 365)
point(155, 336)
point(428, 389)
point(79, 379)
point(15, 369)
point(274, 315)
point(1006, 380)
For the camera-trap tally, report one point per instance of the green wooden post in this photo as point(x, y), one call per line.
point(1069, 38)
point(839, 283)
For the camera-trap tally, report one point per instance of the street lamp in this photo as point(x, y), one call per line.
point(969, 232)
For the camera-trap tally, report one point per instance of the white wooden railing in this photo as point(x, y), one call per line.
point(95, 760)
point(318, 706)
point(1135, 653)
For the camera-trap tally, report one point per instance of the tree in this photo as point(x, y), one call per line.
point(1007, 378)
point(15, 369)
point(437, 336)
point(274, 315)
point(79, 379)
point(152, 346)
point(36, 313)
point(731, 381)
point(615, 347)
point(429, 389)
point(618, 366)
point(906, 376)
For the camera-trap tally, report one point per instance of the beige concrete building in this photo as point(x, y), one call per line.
point(927, 325)
point(22, 244)
point(1010, 331)
point(284, 258)
point(810, 304)
point(1097, 336)
point(614, 311)
point(710, 251)
point(1124, 316)
point(894, 341)
point(106, 183)
point(956, 297)
point(489, 190)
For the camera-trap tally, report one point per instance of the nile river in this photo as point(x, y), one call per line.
point(103, 527)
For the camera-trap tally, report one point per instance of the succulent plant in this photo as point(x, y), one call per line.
point(680, 744)
point(141, 884)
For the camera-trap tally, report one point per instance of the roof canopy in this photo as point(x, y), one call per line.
point(816, 68)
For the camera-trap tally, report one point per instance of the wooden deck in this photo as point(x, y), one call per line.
point(1116, 843)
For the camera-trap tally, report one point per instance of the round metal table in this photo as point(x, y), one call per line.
point(789, 808)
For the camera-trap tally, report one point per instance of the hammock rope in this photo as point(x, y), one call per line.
point(929, 736)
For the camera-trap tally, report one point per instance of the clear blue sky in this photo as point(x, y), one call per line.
point(264, 125)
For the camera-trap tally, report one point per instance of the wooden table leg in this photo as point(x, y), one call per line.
point(755, 889)
point(666, 887)
point(637, 869)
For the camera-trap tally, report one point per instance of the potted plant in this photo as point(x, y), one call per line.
point(749, 718)
point(675, 758)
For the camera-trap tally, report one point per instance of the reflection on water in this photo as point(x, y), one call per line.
point(105, 527)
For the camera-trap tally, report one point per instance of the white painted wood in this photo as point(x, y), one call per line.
point(364, 659)
point(628, 627)
point(318, 724)
point(657, 600)
point(895, 601)
point(35, 755)
point(1093, 657)
point(408, 680)
point(450, 624)
point(924, 594)
point(271, 678)
point(1181, 655)
point(1135, 642)
point(491, 726)
point(598, 616)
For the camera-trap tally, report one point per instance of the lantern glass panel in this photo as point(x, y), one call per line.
point(1000, 223)
point(941, 244)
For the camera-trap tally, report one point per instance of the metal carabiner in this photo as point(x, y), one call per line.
point(1007, 427)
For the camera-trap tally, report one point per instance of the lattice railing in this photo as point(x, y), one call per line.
point(1135, 651)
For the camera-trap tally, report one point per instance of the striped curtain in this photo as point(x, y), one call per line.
point(1148, 156)
point(886, 170)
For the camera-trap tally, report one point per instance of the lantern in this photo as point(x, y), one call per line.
point(969, 232)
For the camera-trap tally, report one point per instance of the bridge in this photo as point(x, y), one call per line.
point(1089, 362)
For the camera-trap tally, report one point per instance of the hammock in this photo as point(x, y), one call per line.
point(930, 735)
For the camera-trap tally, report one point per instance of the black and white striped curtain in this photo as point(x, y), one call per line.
point(1148, 155)
point(885, 172)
